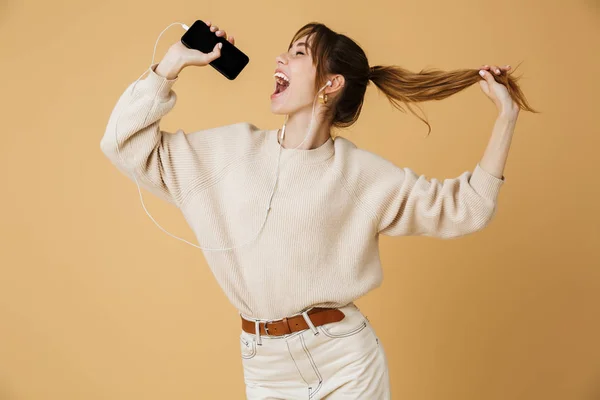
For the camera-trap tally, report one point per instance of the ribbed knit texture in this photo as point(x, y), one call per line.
point(319, 245)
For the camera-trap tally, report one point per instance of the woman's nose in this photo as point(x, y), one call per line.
point(282, 58)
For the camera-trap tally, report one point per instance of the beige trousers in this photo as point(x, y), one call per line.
point(339, 360)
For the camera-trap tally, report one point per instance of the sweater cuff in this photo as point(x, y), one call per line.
point(159, 83)
point(485, 184)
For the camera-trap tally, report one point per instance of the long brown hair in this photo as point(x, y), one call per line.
point(335, 53)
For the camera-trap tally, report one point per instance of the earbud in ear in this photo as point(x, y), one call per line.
point(327, 84)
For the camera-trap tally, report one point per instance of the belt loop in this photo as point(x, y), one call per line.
point(286, 322)
point(257, 328)
point(309, 322)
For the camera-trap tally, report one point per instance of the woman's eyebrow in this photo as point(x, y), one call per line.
point(298, 44)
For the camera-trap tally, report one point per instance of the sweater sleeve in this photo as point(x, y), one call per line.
point(414, 205)
point(164, 163)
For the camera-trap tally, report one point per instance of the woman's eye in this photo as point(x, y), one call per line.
point(299, 52)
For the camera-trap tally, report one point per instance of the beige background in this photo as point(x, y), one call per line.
point(96, 302)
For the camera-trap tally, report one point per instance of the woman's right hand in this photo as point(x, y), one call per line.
point(192, 57)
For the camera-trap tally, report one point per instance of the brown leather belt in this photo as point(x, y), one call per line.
point(318, 316)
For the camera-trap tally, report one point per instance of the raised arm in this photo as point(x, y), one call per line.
point(411, 204)
point(135, 144)
point(163, 163)
point(455, 207)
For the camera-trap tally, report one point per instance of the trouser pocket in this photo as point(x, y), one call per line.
point(247, 347)
point(353, 323)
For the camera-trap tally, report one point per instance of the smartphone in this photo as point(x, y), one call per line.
point(232, 60)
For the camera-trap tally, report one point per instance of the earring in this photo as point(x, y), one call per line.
point(323, 98)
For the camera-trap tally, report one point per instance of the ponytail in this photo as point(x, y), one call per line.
point(402, 86)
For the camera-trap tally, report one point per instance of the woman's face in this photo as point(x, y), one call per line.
point(297, 91)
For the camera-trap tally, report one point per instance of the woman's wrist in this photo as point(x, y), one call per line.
point(169, 67)
point(509, 115)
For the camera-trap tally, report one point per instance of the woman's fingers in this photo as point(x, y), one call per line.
point(495, 69)
point(218, 32)
point(499, 70)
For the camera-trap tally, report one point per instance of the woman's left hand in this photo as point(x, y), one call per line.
point(497, 92)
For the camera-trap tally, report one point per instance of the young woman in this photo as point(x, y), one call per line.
point(293, 217)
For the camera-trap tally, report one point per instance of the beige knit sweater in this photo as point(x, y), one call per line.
point(319, 243)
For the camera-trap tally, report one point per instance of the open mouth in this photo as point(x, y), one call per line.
point(281, 83)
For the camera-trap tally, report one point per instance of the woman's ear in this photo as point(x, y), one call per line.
point(337, 82)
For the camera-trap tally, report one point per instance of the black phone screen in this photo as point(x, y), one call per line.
point(232, 60)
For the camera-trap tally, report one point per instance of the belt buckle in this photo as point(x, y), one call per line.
point(267, 329)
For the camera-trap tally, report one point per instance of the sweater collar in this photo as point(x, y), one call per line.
point(312, 156)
